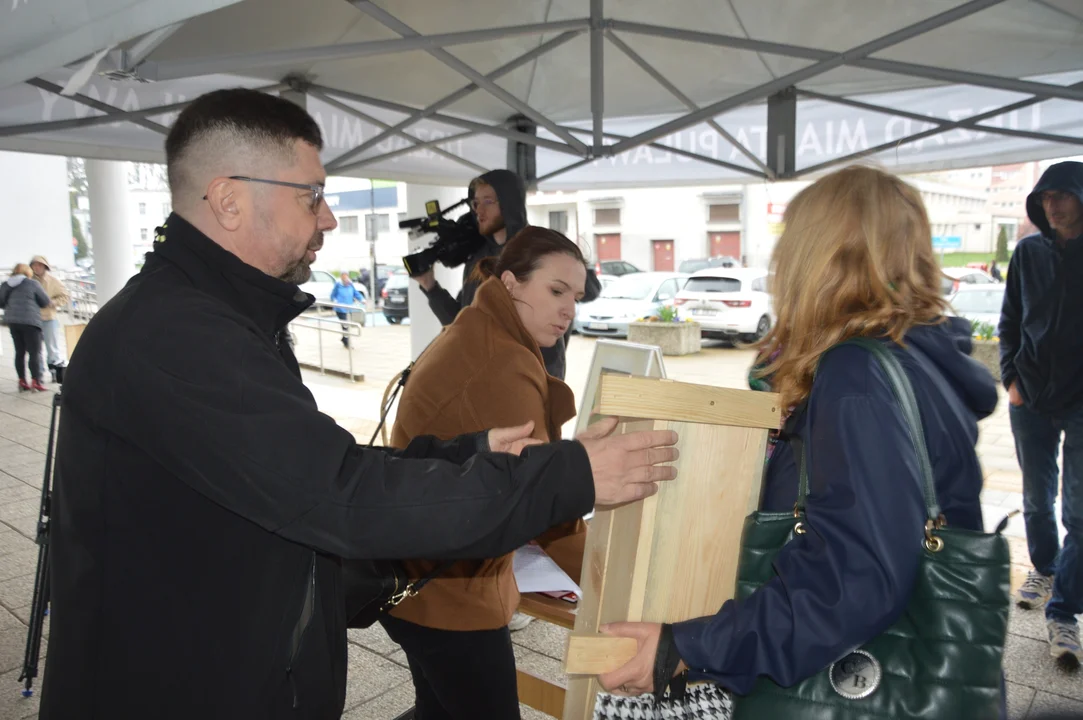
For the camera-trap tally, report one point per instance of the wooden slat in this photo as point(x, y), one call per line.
point(540, 694)
point(650, 398)
point(598, 654)
point(551, 610)
point(608, 574)
point(72, 333)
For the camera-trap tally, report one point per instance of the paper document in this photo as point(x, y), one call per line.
point(536, 572)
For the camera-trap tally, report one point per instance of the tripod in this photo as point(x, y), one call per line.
point(39, 608)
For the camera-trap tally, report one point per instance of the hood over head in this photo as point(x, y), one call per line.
point(948, 346)
point(511, 192)
point(1065, 176)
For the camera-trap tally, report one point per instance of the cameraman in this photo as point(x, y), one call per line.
point(498, 199)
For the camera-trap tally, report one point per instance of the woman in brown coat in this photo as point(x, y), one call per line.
point(486, 370)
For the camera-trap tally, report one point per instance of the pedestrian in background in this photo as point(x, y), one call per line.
point(23, 298)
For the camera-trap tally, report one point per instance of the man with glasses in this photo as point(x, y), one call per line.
point(203, 506)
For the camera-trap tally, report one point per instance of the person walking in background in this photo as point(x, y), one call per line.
point(994, 271)
point(50, 325)
point(1041, 364)
point(22, 298)
point(344, 293)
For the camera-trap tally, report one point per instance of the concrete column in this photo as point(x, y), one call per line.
point(107, 183)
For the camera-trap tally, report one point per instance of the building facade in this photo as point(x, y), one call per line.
point(659, 228)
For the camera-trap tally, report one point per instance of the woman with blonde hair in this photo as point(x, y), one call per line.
point(22, 298)
point(486, 370)
point(855, 260)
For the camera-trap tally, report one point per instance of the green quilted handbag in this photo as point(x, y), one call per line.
point(942, 658)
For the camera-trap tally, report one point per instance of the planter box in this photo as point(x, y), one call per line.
point(987, 352)
point(674, 338)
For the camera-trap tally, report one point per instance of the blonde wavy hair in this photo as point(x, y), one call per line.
point(855, 259)
point(22, 269)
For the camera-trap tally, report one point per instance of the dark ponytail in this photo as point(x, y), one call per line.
point(523, 254)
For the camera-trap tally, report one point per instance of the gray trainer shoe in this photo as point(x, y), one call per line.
point(1035, 592)
point(1064, 644)
point(519, 621)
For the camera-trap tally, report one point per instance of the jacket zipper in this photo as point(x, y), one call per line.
point(299, 629)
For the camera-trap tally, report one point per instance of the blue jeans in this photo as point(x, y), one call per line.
point(1037, 441)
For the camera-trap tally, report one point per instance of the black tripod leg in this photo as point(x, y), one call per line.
point(39, 606)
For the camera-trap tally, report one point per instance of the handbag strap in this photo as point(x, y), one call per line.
point(904, 394)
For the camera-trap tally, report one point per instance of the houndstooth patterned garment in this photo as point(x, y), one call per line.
point(700, 702)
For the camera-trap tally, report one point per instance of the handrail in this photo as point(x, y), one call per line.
point(317, 323)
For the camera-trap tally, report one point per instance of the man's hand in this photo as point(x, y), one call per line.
point(1014, 396)
point(427, 280)
point(637, 676)
point(627, 467)
point(512, 440)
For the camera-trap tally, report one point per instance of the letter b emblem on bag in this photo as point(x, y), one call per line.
point(856, 676)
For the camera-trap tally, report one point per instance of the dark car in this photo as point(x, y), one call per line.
point(395, 297)
point(615, 267)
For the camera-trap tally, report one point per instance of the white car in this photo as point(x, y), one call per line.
point(979, 303)
point(729, 303)
point(953, 278)
point(625, 300)
point(322, 283)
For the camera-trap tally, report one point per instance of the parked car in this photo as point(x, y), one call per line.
point(954, 277)
point(396, 297)
point(322, 283)
point(979, 303)
point(627, 299)
point(615, 267)
point(696, 264)
point(728, 303)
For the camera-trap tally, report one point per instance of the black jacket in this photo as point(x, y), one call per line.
point(202, 503)
point(1041, 321)
point(511, 193)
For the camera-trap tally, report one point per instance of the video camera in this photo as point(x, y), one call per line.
point(456, 240)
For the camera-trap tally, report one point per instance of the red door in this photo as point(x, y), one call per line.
point(607, 247)
point(663, 255)
point(725, 243)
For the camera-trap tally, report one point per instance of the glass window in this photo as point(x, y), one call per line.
point(348, 224)
point(383, 222)
point(724, 213)
point(142, 208)
point(667, 291)
point(143, 233)
point(979, 301)
point(607, 216)
point(713, 284)
point(558, 220)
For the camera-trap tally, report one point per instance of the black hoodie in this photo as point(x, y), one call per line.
point(511, 194)
point(1041, 326)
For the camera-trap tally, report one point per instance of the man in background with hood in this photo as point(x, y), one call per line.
point(1041, 360)
point(498, 199)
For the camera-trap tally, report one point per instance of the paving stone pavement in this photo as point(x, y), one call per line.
point(379, 683)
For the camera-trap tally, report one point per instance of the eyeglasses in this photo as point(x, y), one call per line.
point(316, 190)
point(487, 202)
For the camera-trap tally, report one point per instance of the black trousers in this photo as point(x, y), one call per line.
point(27, 340)
point(459, 675)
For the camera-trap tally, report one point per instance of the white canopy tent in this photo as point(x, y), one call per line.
point(617, 93)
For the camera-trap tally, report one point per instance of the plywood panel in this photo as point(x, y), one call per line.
point(540, 694)
point(695, 559)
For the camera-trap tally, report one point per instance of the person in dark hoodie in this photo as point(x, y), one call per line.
point(498, 198)
point(1041, 361)
point(203, 507)
point(23, 298)
point(855, 259)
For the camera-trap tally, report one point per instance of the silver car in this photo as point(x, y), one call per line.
point(979, 303)
point(627, 299)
